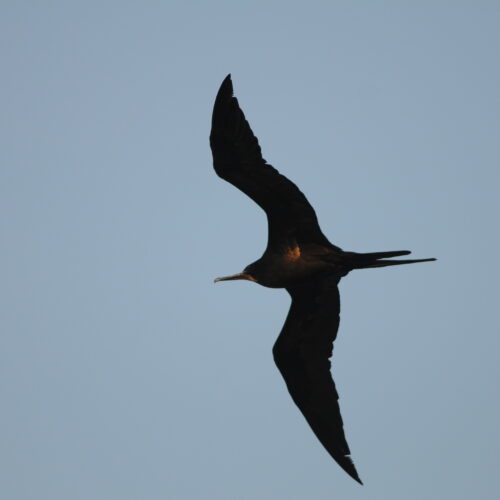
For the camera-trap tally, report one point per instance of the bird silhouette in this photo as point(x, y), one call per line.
point(299, 258)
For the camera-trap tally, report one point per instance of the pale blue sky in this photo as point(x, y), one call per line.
point(125, 373)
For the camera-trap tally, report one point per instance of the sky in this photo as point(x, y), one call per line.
point(125, 372)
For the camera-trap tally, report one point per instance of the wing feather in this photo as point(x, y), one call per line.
point(302, 353)
point(238, 160)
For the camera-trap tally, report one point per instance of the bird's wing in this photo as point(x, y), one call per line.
point(238, 160)
point(302, 353)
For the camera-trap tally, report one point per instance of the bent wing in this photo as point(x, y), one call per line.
point(238, 160)
point(302, 353)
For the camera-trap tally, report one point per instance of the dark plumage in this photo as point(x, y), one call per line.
point(299, 258)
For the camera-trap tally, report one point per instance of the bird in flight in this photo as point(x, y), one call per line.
point(299, 258)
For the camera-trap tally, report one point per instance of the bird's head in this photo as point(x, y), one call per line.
point(249, 273)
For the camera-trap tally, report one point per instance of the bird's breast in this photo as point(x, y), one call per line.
point(289, 266)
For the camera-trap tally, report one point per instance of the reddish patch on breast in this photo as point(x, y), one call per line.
point(292, 254)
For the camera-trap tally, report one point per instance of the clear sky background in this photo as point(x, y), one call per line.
point(125, 373)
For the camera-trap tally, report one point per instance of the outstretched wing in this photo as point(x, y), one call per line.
point(302, 353)
point(238, 160)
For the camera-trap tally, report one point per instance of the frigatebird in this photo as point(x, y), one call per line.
point(299, 258)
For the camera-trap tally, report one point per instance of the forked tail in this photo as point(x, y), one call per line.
point(376, 259)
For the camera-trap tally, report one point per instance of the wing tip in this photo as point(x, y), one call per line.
point(223, 98)
point(357, 479)
point(348, 465)
point(226, 87)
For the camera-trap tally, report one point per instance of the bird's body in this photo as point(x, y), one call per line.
point(299, 258)
point(292, 264)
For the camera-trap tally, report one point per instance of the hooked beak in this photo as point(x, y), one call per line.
point(239, 276)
